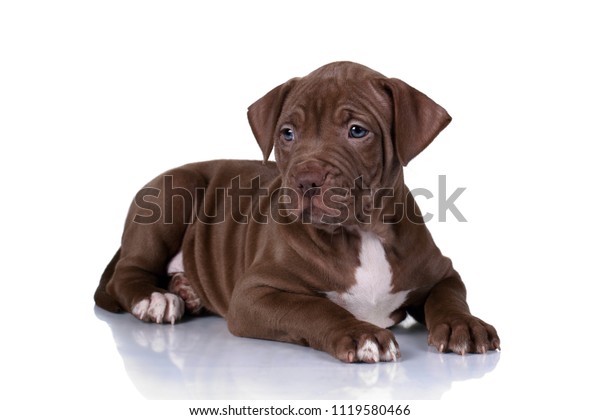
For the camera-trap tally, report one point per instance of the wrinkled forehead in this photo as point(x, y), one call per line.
point(315, 97)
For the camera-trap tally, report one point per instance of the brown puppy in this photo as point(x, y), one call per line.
point(324, 248)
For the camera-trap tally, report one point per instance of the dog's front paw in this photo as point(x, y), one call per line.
point(159, 308)
point(366, 346)
point(464, 334)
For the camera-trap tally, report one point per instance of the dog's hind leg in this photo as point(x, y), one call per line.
point(101, 297)
point(179, 285)
point(153, 234)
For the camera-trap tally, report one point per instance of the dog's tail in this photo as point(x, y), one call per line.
point(101, 297)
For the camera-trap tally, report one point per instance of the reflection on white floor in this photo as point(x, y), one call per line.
point(200, 359)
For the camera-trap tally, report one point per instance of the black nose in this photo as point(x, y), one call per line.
point(309, 183)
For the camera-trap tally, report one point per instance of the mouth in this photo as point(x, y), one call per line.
point(316, 212)
point(326, 201)
point(321, 208)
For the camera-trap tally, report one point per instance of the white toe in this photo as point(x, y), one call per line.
point(159, 308)
point(141, 309)
point(392, 353)
point(368, 352)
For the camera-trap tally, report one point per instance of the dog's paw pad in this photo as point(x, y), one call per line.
point(159, 308)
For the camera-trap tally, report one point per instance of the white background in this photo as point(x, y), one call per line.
point(98, 97)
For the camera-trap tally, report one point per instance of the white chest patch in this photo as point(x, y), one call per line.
point(371, 298)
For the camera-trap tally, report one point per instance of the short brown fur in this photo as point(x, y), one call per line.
point(268, 276)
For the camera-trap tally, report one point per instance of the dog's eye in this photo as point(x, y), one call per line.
point(358, 132)
point(287, 134)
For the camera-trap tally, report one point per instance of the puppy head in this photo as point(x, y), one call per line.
point(340, 134)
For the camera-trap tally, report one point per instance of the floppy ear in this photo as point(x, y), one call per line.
point(417, 119)
point(263, 115)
